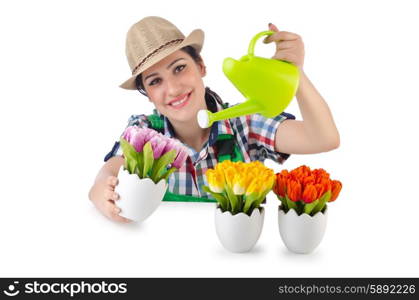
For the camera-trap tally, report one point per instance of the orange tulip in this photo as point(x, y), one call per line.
point(284, 173)
point(303, 184)
point(309, 193)
point(281, 183)
point(308, 180)
point(336, 187)
point(327, 186)
point(321, 189)
point(303, 171)
point(294, 190)
point(320, 173)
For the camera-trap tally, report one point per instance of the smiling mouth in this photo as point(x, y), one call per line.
point(179, 103)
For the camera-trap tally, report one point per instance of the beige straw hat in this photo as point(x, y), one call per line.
point(152, 39)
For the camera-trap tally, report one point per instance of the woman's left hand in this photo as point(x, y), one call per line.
point(289, 46)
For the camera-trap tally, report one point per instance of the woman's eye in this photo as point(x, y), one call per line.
point(179, 68)
point(154, 81)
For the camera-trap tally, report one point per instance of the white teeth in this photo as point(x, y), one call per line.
point(178, 102)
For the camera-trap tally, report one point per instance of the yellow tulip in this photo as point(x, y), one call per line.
point(241, 178)
point(238, 184)
point(255, 187)
point(269, 181)
point(215, 181)
point(229, 174)
point(241, 183)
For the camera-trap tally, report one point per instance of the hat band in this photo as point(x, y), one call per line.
point(154, 52)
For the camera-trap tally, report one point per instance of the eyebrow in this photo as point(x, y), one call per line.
point(171, 64)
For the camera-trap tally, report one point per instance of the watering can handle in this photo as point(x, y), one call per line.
point(255, 38)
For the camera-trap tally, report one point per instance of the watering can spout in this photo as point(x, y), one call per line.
point(267, 84)
point(207, 118)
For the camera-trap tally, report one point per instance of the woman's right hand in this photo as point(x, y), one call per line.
point(106, 204)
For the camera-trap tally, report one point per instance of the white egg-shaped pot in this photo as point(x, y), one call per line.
point(239, 232)
point(139, 198)
point(301, 233)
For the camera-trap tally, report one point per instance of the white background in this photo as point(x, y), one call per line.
point(61, 110)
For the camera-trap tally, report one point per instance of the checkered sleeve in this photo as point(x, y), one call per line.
point(134, 120)
point(260, 137)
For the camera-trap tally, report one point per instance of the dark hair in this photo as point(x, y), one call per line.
point(188, 49)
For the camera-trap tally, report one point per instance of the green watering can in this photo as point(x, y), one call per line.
point(269, 85)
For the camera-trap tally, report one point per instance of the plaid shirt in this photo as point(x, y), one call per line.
point(254, 135)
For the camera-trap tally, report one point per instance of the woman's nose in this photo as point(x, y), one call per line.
point(173, 88)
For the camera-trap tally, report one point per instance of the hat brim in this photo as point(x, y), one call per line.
point(194, 39)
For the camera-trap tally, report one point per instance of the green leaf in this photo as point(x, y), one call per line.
point(165, 175)
point(256, 199)
point(257, 202)
point(249, 200)
point(132, 164)
point(148, 159)
point(206, 189)
point(130, 155)
point(161, 163)
point(233, 199)
point(140, 164)
point(327, 196)
point(261, 198)
point(283, 203)
point(240, 199)
point(219, 197)
point(308, 207)
point(300, 207)
point(224, 193)
point(290, 204)
point(127, 149)
point(322, 202)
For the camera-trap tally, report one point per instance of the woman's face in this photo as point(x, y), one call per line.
point(175, 86)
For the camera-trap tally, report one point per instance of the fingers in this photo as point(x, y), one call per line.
point(106, 203)
point(121, 219)
point(268, 39)
point(112, 181)
point(112, 212)
point(286, 56)
point(281, 36)
point(273, 27)
point(110, 194)
point(282, 45)
point(289, 46)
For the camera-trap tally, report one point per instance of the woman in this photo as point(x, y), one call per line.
point(167, 68)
